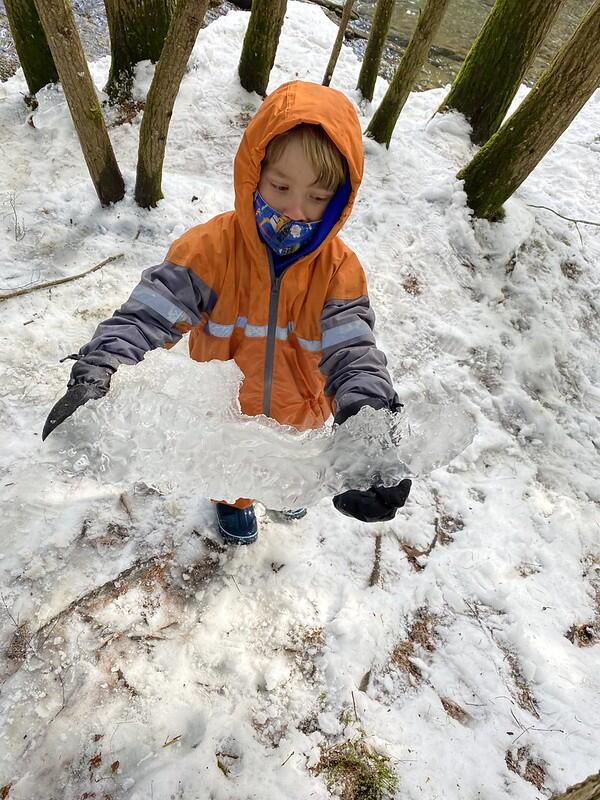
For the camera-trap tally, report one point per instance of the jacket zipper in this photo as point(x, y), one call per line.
point(271, 337)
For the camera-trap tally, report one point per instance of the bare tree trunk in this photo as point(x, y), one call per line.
point(497, 62)
point(260, 44)
point(137, 33)
point(337, 45)
point(513, 152)
point(375, 45)
point(586, 790)
point(385, 118)
point(56, 17)
point(161, 99)
point(30, 43)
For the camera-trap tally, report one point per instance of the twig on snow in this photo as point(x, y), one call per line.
point(125, 503)
point(62, 685)
point(376, 571)
point(12, 619)
point(569, 219)
point(19, 227)
point(58, 281)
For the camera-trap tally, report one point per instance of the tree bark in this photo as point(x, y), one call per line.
point(57, 20)
point(30, 43)
point(497, 62)
point(137, 33)
point(513, 152)
point(337, 45)
point(375, 45)
point(586, 790)
point(260, 44)
point(161, 99)
point(384, 120)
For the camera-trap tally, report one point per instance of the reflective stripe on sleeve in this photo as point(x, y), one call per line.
point(344, 333)
point(160, 304)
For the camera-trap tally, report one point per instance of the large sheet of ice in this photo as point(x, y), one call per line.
point(205, 445)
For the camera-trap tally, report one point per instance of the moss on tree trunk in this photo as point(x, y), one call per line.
point(161, 99)
point(375, 45)
point(497, 62)
point(260, 44)
point(337, 45)
point(384, 120)
point(588, 789)
point(137, 33)
point(63, 39)
point(513, 152)
point(30, 43)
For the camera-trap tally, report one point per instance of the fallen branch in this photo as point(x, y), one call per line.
point(107, 591)
point(58, 281)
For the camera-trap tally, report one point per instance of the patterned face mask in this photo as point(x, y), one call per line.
point(283, 235)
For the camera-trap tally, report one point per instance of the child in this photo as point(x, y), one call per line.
point(270, 285)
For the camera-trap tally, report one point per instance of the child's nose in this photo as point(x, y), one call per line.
point(295, 211)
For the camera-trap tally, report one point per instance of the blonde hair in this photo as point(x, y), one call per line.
point(319, 150)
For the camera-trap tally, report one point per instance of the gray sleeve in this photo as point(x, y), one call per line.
point(167, 301)
point(354, 368)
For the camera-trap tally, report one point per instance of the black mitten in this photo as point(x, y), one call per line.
point(90, 379)
point(378, 503)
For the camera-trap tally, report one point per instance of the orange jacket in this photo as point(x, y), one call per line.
point(303, 340)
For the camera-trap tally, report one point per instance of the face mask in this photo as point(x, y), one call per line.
point(283, 235)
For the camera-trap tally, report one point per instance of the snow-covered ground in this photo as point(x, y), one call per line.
point(139, 659)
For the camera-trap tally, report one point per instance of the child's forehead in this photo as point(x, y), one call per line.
point(292, 160)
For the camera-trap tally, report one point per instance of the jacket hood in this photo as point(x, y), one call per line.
point(290, 105)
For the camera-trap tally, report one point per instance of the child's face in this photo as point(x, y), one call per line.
point(290, 186)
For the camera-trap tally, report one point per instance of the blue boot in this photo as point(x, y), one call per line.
point(293, 513)
point(237, 525)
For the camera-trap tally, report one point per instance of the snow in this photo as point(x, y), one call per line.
point(253, 658)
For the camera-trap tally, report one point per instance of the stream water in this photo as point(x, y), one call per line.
point(459, 28)
point(461, 24)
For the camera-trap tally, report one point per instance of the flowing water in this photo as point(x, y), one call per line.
point(459, 28)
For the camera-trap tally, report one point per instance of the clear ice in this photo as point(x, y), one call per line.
point(170, 421)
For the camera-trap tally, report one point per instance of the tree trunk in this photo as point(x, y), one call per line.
point(57, 19)
point(260, 44)
point(337, 45)
point(161, 99)
point(497, 62)
point(137, 33)
point(375, 45)
point(30, 43)
point(586, 790)
point(384, 120)
point(512, 153)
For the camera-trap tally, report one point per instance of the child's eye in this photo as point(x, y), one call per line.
point(278, 187)
point(320, 199)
